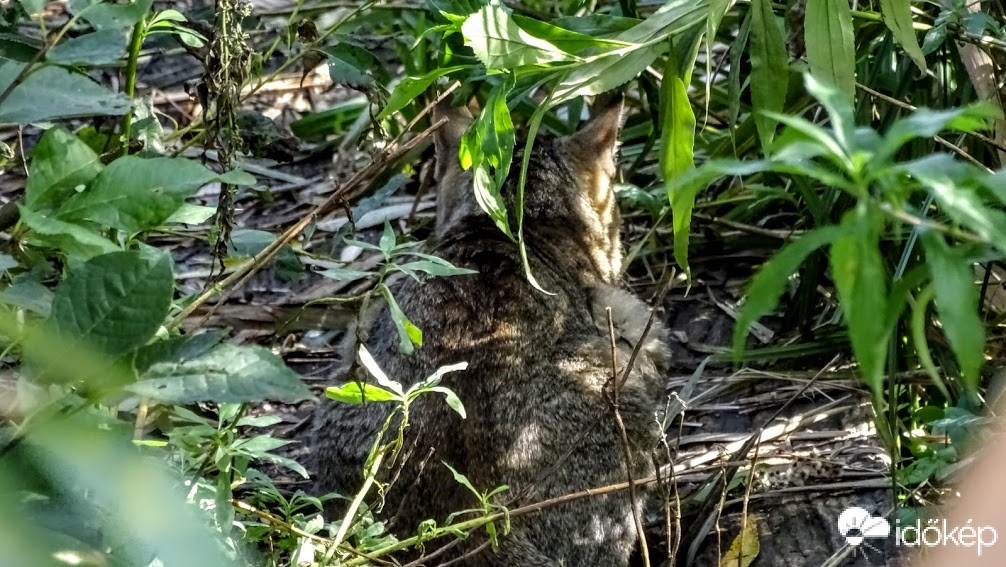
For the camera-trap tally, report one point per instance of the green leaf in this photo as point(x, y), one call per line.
point(51, 93)
point(134, 194)
point(60, 163)
point(681, 193)
point(770, 281)
point(352, 65)
point(227, 374)
point(452, 400)
point(831, 48)
point(861, 281)
point(926, 123)
point(26, 292)
point(387, 241)
point(368, 362)
point(115, 16)
point(487, 148)
point(408, 334)
point(191, 214)
point(356, 393)
point(953, 280)
point(176, 349)
point(441, 268)
point(677, 137)
point(103, 47)
point(566, 40)
point(897, 16)
point(463, 481)
point(113, 302)
point(961, 203)
point(500, 43)
point(74, 240)
point(409, 88)
point(769, 68)
point(33, 7)
point(344, 274)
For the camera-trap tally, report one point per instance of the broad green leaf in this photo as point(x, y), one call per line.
point(104, 47)
point(72, 239)
point(897, 16)
point(113, 302)
point(227, 374)
point(770, 281)
point(409, 335)
point(614, 67)
point(831, 48)
point(51, 93)
point(20, 48)
point(134, 194)
point(953, 280)
point(409, 88)
point(33, 7)
point(769, 68)
point(500, 43)
point(566, 40)
point(368, 362)
point(861, 281)
point(26, 292)
point(352, 65)
point(176, 349)
point(355, 393)
point(106, 15)
point(60, 163)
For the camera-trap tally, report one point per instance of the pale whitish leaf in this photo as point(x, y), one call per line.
point(500, 43)
point(452, 400)
point(409, 88)
point(103, 47)
point(897, 16)
point(227, 374)
point(60, 163)
point(7, 262)
point(769, 68)
point(442, 268)
point(354, 393)
point(387, 241)
point(375, 370)
point(114, 302)
point(953, 280)
point(861, 281)
point(259, 421)
point(361, 244)
point(770, 281)
point(260, 444)
point(831, 51)
point(191, 214)
point(344, 274)
point(51, 93)
point(115, 16)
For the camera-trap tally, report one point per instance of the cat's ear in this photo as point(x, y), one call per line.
point(597, 142)
point(447, 139)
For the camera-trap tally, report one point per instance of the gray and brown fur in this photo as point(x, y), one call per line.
point(538, 418)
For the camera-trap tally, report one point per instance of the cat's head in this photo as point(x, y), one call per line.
point(569, 190)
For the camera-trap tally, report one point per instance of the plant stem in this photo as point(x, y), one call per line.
point(135, 42)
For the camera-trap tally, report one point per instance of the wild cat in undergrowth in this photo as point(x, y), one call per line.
point(538, 388)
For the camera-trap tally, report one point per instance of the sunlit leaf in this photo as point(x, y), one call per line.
point(897, 16)
point(831, 48)
point(769, 68)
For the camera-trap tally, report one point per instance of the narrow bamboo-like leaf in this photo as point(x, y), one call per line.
point(897, 16)
point(677, 136)
point(488, 147)
point(770, 282)
point(409, 88)
point(355, 393)
point(831, 51)
point(861, 281)
point(769, 68)
point(501, 44)
point(953, 280)
point(409, 335)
